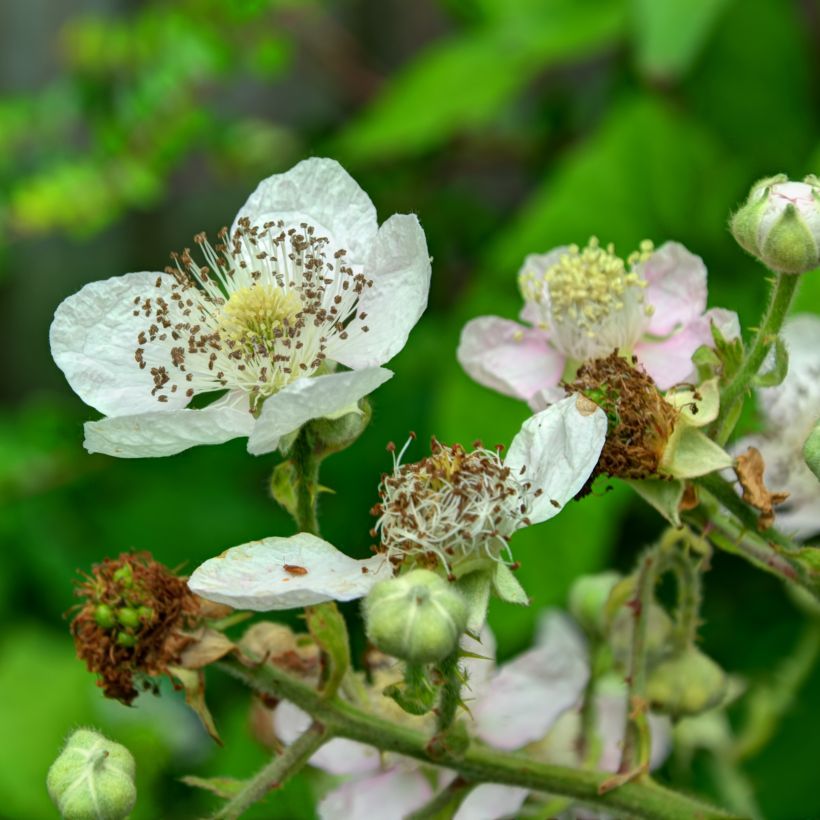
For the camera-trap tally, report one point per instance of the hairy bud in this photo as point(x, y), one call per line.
point(686, 684)
point(417, 617)
point(93, 778)
point(780, 223)
point(588, 596)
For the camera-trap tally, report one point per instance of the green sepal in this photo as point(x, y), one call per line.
point(507, 587)
point(775, 376)
point(730, 352)
point(475, 588)
point(283, 483)
point(224, 787)
point(811, 450)
point(694, 454)
point(416, 694)
point(790, 246)
point(663, 496)
point(707, 362)
point(328, 628)
point(193, 684)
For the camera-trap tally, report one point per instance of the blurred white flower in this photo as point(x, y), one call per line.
point(548, 462)
point(584, 303)
point(304, 281)
point(790, 412)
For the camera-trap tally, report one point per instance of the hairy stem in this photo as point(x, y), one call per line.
point(275, 773)
point(785, 286)
point(450, 692)
point(444, 804)
point(307, 464)
point(478, 764)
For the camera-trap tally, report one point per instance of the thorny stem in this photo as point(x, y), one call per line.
point(450, 692)
point(478, 764)
point(785, 286)
point(275, 773)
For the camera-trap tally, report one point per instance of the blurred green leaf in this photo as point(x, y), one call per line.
point(669, 34)
point(463, 83)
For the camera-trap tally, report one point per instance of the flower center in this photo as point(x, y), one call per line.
point(448, 508)
point(257, 314)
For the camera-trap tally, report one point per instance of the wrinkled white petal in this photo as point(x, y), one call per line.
point(528, 694)
point(283, 573)
point(398, 264)
point(310, 398)
point(490, 801)
point(166, 432)
point(339, 756)
point(323, 191)
point(388, 796)
point(558, 449)
point(94, 339)
point(517, 361)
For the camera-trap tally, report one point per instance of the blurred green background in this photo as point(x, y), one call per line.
point(508, 126)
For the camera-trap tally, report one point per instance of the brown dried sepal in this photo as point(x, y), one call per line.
point(273, 643)
point(640, 419)
point(156, 642)
point(750, 468)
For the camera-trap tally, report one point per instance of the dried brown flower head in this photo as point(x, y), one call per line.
point(640, 420)
point(132, 624)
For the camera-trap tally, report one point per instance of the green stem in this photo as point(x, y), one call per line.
point(275, 773)
point(450, 692)
point(444, 804)
point(307, 464)
point(478, 764)
point(734, 392)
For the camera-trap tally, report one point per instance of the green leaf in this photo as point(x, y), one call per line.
point(283, 483)
point(327, 627)
point(463, 83)
point(506, 586)
point(669, 34)
point(775, 375)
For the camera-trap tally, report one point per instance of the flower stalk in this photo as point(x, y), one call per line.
point(644, 799)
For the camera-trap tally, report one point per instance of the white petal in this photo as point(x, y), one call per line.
point(530, 693)
point(338, 756)
point(166, 432)
point(388, 796)
point(310, 398)
point(558, 449)
point(283, 573)
point(489, 801)
point(323, 191)
point(94, 339)
point(399, 266)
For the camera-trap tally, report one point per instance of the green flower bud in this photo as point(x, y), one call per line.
point(104, 616)
point(686, 684)
point(780, 223)
point(811, 450)
point(658, 634)
point(418, 616)
point(92, 779)
point(588, 597)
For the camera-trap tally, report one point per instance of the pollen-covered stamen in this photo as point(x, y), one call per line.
point(451, 506)
point(260, 314)
point(588, 295)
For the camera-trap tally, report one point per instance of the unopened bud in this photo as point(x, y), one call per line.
point(418, 616)
point(93, 778)
point(330, 435)
point(588, 597)
point(780, 223)
point(658, 632)
point(811, 450)
point(686, 684)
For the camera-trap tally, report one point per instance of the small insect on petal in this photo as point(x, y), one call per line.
point(295, 569)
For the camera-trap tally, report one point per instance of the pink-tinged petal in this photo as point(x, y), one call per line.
point(167, 432)
point(339, 756)
point(323, 191)
point(311, 398)
point(676, 287)
point(527, 695)
point(398, 265)
point(515, 360)
point(555, 451)
point(388, 796)
point(669, 361)
point(490, 801)
point(284, 573)
point(94, 341)
point(796, 401)
point(536, 294)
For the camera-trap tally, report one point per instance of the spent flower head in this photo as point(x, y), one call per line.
point(305, 281)
point(583, 303)
point(464, 506)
